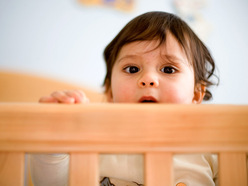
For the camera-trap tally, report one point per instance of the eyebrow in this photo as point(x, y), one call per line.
point(171, 58)
point(129, 56)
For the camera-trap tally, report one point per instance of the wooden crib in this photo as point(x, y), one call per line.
point(156, 130)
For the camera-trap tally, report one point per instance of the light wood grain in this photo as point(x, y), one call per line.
point(84, 169)
point(232, 168)
point(156, 130)
point(123, 127)
point(158, 169)
point(11, 168)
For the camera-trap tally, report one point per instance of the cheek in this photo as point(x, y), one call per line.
point(186, 94)
point(187, 87)
point(121, 89)
point(121, 93)
point(178, 91)
point(182, 96)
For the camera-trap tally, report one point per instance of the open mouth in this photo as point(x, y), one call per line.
point(148, 99)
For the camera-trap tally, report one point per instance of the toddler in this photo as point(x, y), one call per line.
point(155, 58)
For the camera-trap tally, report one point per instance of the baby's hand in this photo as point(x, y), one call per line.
point(68, 96)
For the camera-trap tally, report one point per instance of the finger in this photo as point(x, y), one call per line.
point(78, 95)
point(48, 99)
point(83, 96)
point(62, 97)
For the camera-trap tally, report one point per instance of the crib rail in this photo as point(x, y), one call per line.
point(158, 131)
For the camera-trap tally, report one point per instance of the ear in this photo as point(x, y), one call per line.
point(109, 95)
point(199, 93)
point(108, 90)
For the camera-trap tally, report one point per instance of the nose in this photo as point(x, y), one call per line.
point(148, 80)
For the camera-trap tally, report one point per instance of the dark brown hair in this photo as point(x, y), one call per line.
point(155, 25)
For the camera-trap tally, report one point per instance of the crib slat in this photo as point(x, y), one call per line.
point(232, 169)
point(84, 169)
point(12, 168)
point(158, 169)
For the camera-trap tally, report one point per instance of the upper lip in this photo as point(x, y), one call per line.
point(147, 99)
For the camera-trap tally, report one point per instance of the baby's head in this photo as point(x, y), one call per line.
point(164, 44)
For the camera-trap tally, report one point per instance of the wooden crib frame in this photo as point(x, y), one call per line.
point(158, 131)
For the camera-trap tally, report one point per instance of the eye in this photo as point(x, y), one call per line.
point(131, 69)
point(168, 70)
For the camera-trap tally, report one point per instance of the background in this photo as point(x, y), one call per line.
point(64, 39)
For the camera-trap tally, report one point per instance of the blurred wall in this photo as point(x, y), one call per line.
point(63, 39)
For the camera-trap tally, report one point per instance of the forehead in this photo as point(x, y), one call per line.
point(170, 47)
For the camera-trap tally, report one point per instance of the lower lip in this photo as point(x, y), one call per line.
point(148, 99)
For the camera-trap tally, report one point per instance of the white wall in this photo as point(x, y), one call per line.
point(65, 40)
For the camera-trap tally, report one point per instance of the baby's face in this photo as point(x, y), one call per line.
point(144, 73)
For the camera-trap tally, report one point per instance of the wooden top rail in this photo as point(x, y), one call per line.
point(117, 128)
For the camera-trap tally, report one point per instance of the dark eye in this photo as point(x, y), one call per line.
point(168, 70)
point(131, 69)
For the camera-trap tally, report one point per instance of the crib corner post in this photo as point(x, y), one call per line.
point(12, 168)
